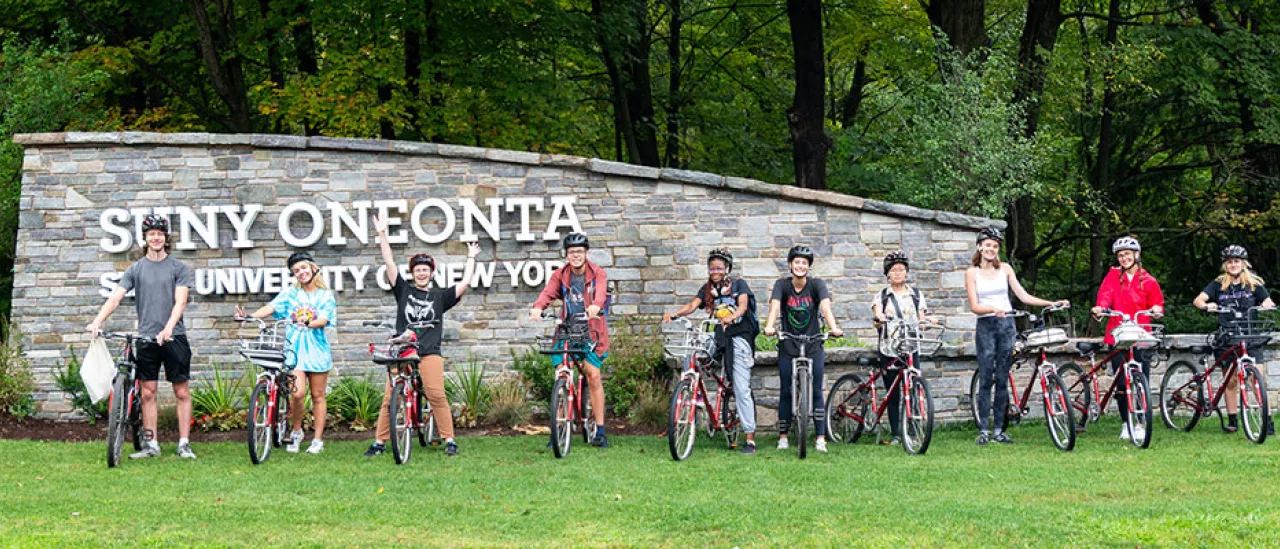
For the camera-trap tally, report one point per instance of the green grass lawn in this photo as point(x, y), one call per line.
point(1197, 489)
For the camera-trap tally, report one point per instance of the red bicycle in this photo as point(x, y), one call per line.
point(269, 401)
point(695, 349)
point(1083, 387)
point(852, 404)
point(408, 411)
point(124, 410)
point(570, 404)
point(1032, 346)
point(1182, 392)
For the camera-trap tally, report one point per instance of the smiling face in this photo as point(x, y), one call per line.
point(717, 270)
point(990, 250)
point(421, 275)
point(577, 257)
point(898, 274)
point(1233, 266)
point(156, 240)
point(1127, 259)
point(304, 272)
point(800, 267)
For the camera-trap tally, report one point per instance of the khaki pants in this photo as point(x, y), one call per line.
point(431, 368)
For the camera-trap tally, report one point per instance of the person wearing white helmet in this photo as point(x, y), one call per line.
point(1128, 288)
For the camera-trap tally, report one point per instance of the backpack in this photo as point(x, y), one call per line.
point(887, 296)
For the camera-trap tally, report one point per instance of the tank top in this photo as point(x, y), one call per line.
point(994, 293)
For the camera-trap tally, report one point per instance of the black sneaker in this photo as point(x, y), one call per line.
point(375, 449)
point(451, 448)
point(749, 449)
point(1002, 438)
point(983, 438)
point(600, 441)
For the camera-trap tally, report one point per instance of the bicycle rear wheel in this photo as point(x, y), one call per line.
point(561, 418)
point(1181, 396)
point(133, 416)
point(586, 414)
point(1080, 394)
point(1057, 413)
point(1139, 409)
point(681, 424)
point(260, 424)
point(116, 420)
point(728, 419)
point(398, 415)
point(917, 417)
point(804, 410)
point(1254, 409)
point(847, 409)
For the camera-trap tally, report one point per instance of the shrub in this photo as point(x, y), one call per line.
point(537, 371)
point(509, 406)
point(766, 343)
point(219, 403)
point(68, 381)
point(356, 401)
point(469, 394)
point(635, 357)
point(653, 400)
point(16, 382)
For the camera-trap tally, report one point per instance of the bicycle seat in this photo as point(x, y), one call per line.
point(1089, 346)
point(1200, 349)
point(865, 361)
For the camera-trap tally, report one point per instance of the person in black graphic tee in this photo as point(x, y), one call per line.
point(798, 300)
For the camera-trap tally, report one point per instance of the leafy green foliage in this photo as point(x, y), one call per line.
point(509, 405)
point(635, 358)
point(68, 381)
point(219, 402)
point(16, 382)
point(356, 400)
point(652, 404)
point(537, 371)
point(469, 392)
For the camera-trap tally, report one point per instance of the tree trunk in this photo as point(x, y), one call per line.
point(857, 92)
point(961, 22)
point(1102, 167)
point(304, 48)
point(805, 118)
point(674, 100)
point(414, 11)
point(640, 85)
point(274, 68)
point(222, 60)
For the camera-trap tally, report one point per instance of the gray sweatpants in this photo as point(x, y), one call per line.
point(743, 361)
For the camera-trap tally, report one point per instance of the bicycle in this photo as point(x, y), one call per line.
point(570, 403)
point(124, 409)
point(852, 404)
point(408, 412)
point(1182, 391)
point(695, 349)
point(1083, 389)
point(269, 401)
point(1032, 345)
point(801, 387)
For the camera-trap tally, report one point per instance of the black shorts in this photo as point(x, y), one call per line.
point(175, 355)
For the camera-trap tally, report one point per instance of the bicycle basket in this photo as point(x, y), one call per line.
point(908, 336)
point(1142, 336)
point(684, 341)
point(1046, 337)
point(1253, 332)
point(568, 337)
point(263, 353)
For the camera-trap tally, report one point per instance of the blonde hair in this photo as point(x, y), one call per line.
point(1247, 277)
point(319, 280)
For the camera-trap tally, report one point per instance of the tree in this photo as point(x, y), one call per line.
point(806, 118)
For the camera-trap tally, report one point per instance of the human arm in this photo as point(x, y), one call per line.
point(684, 310)
point(180, 294)
point(473, 250)
point(388, 258)
point(549, 293)
point(104, 312)
point(1023, 295)
point(825, 307)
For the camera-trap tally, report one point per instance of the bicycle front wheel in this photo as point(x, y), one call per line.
point(917, 417)
point(1253, 405)
point(280, 431)
point(587, 415)
point(1139, 409)
point(847, 409)
point(260, 427)
point(561, 418)
point(804, 410)
point(1181, 396)
point(426, 427)
point(116, 420)
point(1057, 413)
point(681, 424)
point(398, 415)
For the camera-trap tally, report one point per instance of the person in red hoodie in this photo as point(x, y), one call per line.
point(583, 287)
point(1128, 288)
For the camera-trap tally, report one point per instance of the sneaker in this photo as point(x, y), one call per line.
point(749, 449)
point(821, 445)
point(983, 438)
point(375, 449)
point(184, 452)
point(1124, 432)
point(1002, 438)
point(895, 441)
point(451, 448)
point(148, 451)
point(782, 444)
point(295, 440)
point(1230, 429)
point(600, 441)
point(1139, 432)
point(316, 447)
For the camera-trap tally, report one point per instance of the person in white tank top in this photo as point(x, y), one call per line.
point(987, 283)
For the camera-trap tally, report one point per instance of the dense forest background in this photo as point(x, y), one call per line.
point(1074, 120)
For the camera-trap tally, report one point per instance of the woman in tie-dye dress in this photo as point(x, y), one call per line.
point(310, 305)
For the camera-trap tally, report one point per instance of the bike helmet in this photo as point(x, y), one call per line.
point(1126, 243)
point(723, 255)
point(422, 259)
point(800, 250)
point(295, 257)
point(1235, 252)
point(898, 257)
point(576, 240)
point(155, 221)
point(990, 233)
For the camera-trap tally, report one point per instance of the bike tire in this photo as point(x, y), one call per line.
point(804, 411)
point(1182, 399)
point(133, 417)
point(682, 427)
point(917, 429)
point(847, 409)
point(1057, 413)
point(116, 420)
point(423, 428)
point(1140, 413)
point(1255, 412)
point(280, 432)
point(586, 415)
point(561, 418)
point(398, 416)
point(729, 420)
point(1080, 393)
point(260, 425)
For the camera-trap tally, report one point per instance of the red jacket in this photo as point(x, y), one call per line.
point(1118, 293)
point(597, 292)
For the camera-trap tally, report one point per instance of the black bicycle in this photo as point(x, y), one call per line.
point(124, 410)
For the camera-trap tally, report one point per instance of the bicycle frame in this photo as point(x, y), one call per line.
point(901, 383)
point(1091, 377)
point(1232, 362)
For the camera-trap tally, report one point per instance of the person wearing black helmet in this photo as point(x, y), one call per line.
point(730, 301)
point(420, 307)
point(161, 285)
point(900, 301)
point(799, 299)
point(1237, 288)
point(987, 283)
point(311, 307)
point(584, 288)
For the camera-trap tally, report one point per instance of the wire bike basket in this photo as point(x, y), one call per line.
point(268, 349)
point(1130, 333)
point(570, 335)
point(1252, 332)
point(903, 337)
point(682, 339)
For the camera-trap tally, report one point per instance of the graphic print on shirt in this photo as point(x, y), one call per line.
point(799, 311)
point(722, 301)
point(574, 301)
point(419, 313)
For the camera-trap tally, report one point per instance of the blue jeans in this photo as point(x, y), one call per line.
point(994, 340)
point(784, 393)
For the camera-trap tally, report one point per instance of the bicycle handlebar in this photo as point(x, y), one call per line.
point(126, 336)
point(1125, 316)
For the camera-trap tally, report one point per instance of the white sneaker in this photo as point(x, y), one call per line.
point(184, 451)
point(1124, 432)
point(821, 446)
point(1139, 432)
point(148, 451)
point(295, 440)
point(316, 447)
point(782, 444)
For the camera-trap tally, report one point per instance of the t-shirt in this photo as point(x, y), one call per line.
point(799, 313)
point(311, 351)
point(575, 301)
point(722, 300)
point(1237, 297)
point(154, 283)
point(423, 312)
point(901, 304)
